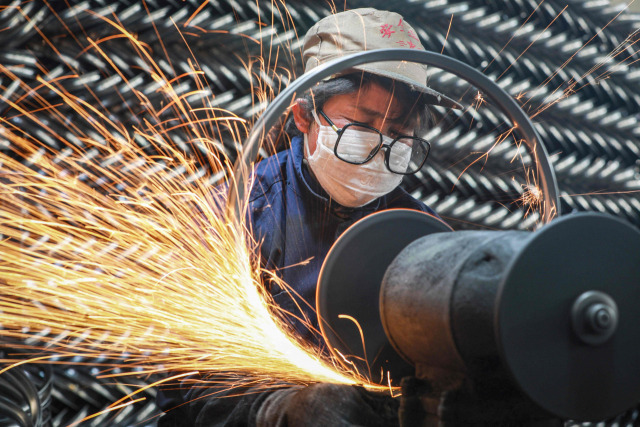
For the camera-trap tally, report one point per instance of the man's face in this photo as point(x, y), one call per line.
point(373, 105)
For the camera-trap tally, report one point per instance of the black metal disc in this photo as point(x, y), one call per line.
point(570, 376)
point(349, 285)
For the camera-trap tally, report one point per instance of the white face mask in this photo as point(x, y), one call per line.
point(353, 185)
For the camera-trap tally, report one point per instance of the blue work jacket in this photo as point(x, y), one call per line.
point(297, 222)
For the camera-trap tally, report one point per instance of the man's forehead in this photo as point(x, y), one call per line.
point(385, 112)
point(391, 110)
point(376, 101)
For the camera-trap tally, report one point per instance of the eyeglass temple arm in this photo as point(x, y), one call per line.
point(334, 127)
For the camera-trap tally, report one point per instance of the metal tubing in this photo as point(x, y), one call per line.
point(438, 295)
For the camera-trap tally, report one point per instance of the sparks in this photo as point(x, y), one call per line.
point(123, 253)
point(131, 257)
point(531, 197)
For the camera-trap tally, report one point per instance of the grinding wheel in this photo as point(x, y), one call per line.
point(567, 322)
point(349, 285)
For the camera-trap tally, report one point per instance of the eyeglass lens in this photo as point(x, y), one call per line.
point(358, 144)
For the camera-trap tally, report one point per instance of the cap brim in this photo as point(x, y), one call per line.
point(432, 96)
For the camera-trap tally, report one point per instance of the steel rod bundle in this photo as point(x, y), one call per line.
point(573, 66)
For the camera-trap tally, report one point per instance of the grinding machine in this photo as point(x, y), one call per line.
point(479, 327)
point(489, 327)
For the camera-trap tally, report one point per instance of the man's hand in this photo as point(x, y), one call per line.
point(326, 405)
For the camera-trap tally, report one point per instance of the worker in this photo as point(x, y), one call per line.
point(354, 136)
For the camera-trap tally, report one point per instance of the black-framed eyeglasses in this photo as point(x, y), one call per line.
point(404, 155)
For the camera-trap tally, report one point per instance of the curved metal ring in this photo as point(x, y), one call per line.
point(546, 176)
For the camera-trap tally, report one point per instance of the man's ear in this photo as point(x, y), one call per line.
point(300, 116)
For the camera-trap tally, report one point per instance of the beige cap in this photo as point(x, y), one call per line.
point(363, 29)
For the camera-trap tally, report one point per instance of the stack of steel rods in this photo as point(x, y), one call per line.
point(572, 65)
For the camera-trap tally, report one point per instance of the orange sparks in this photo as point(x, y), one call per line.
point(531, 197)
point(123, 250)
point(116, 242)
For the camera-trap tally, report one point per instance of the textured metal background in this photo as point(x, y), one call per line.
point(592, 136)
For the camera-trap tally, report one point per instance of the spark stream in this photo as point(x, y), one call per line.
point(110, 251)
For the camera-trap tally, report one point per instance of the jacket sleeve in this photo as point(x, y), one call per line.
point(214, 402)
point(315, 405)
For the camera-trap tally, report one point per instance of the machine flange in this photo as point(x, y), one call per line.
point(567, 318)
point(349, 288)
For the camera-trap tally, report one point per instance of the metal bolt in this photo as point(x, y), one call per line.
point(594, 317)
point(599, 317)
